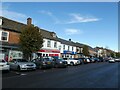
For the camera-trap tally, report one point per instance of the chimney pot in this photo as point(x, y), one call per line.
point(29, 21)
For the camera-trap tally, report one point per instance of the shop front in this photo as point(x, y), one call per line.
point(68, 54)
point(48, 52)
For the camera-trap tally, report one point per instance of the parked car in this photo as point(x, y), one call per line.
point(71, 61)
point(92, 60)
point(117, 59)
point(111, 60)
point(59, 62)
point(85, 60)
point(79, 60)
point(4, 65)
point(97, 60)
point(21, 64)
point(42, 63)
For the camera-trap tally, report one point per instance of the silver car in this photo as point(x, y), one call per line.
point(21, 64)
point(4, 65)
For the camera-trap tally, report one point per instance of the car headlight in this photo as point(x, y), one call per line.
point(23, 65)
point(60, 62)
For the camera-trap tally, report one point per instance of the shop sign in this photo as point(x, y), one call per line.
point(15, 54)
point(46, 50)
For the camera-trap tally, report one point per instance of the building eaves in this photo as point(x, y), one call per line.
point(15, 26)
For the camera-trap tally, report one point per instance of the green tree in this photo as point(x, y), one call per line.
point(31, 41)
point(118, 54)
point(85, 50)
point(112, 54)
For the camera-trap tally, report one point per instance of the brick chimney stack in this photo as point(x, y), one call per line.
point(29, 21)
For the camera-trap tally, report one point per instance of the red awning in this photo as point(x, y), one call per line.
point(47, 50)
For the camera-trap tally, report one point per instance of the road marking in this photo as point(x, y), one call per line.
point(23, 74)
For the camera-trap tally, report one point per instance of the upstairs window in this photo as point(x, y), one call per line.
point(48, 43)
point(59, 47)
point(63, 47)
point(68, 48)
point(55, 44)
point(72, 48)
point(4, 36)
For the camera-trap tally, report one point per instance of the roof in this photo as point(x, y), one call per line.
point(66, 42)
point(12, 25)
point(17, 27)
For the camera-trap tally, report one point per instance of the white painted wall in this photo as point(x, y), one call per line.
point(52, 44)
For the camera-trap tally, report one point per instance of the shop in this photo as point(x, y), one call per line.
point(48, 52)
point(68, 54)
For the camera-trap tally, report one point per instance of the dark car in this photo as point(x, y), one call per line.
point(43, 63)
point(84, 60)
point(79, 60)
point(59, 62)
point(97, 60)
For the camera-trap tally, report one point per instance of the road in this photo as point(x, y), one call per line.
point(93, 75)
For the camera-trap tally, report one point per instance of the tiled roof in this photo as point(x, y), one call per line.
point(12, 25)
point(17, 26)
point(66, 42)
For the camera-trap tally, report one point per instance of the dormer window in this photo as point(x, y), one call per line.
point(54, 34)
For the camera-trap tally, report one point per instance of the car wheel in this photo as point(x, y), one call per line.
point(71, 63)
point(40, 67)
point(56, 66)
point(18, 68)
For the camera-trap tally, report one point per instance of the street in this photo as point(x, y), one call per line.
point(92, 75)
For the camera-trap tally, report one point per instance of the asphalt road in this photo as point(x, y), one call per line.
point(93, 75)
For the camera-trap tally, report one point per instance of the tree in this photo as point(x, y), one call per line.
point(112, 54)
point(118, 54)
point(85, 50)
point(31, 41)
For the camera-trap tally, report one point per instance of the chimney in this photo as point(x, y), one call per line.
point(29, 21)
point(69, 39)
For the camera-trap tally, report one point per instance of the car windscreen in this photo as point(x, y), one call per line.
point(47, 59)
point(60, 59)
point(21, 60)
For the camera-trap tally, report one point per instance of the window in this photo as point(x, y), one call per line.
point(59, 47)
point(72, 48)
point(48, 43)
point(55, 44)
point(63, 47)
point(4, 36)
point(68, 48)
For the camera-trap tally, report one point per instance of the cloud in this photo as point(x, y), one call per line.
point(77, 18)
point(73, 31)
point(5, 12)
point(46, 12)
point(14, 15)
point(56, 20)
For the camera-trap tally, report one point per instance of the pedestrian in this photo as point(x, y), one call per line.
point(6, 58)
point(10, 58)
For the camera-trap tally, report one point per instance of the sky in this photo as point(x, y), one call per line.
point(91, 23)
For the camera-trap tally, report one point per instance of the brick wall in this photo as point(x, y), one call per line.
point(13, 37)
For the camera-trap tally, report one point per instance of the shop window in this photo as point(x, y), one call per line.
point(48, 43)
point(4, 36)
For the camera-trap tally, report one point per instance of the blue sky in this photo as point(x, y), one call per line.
point(94, 24)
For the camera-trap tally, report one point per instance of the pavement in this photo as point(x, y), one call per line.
point(93, 75)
